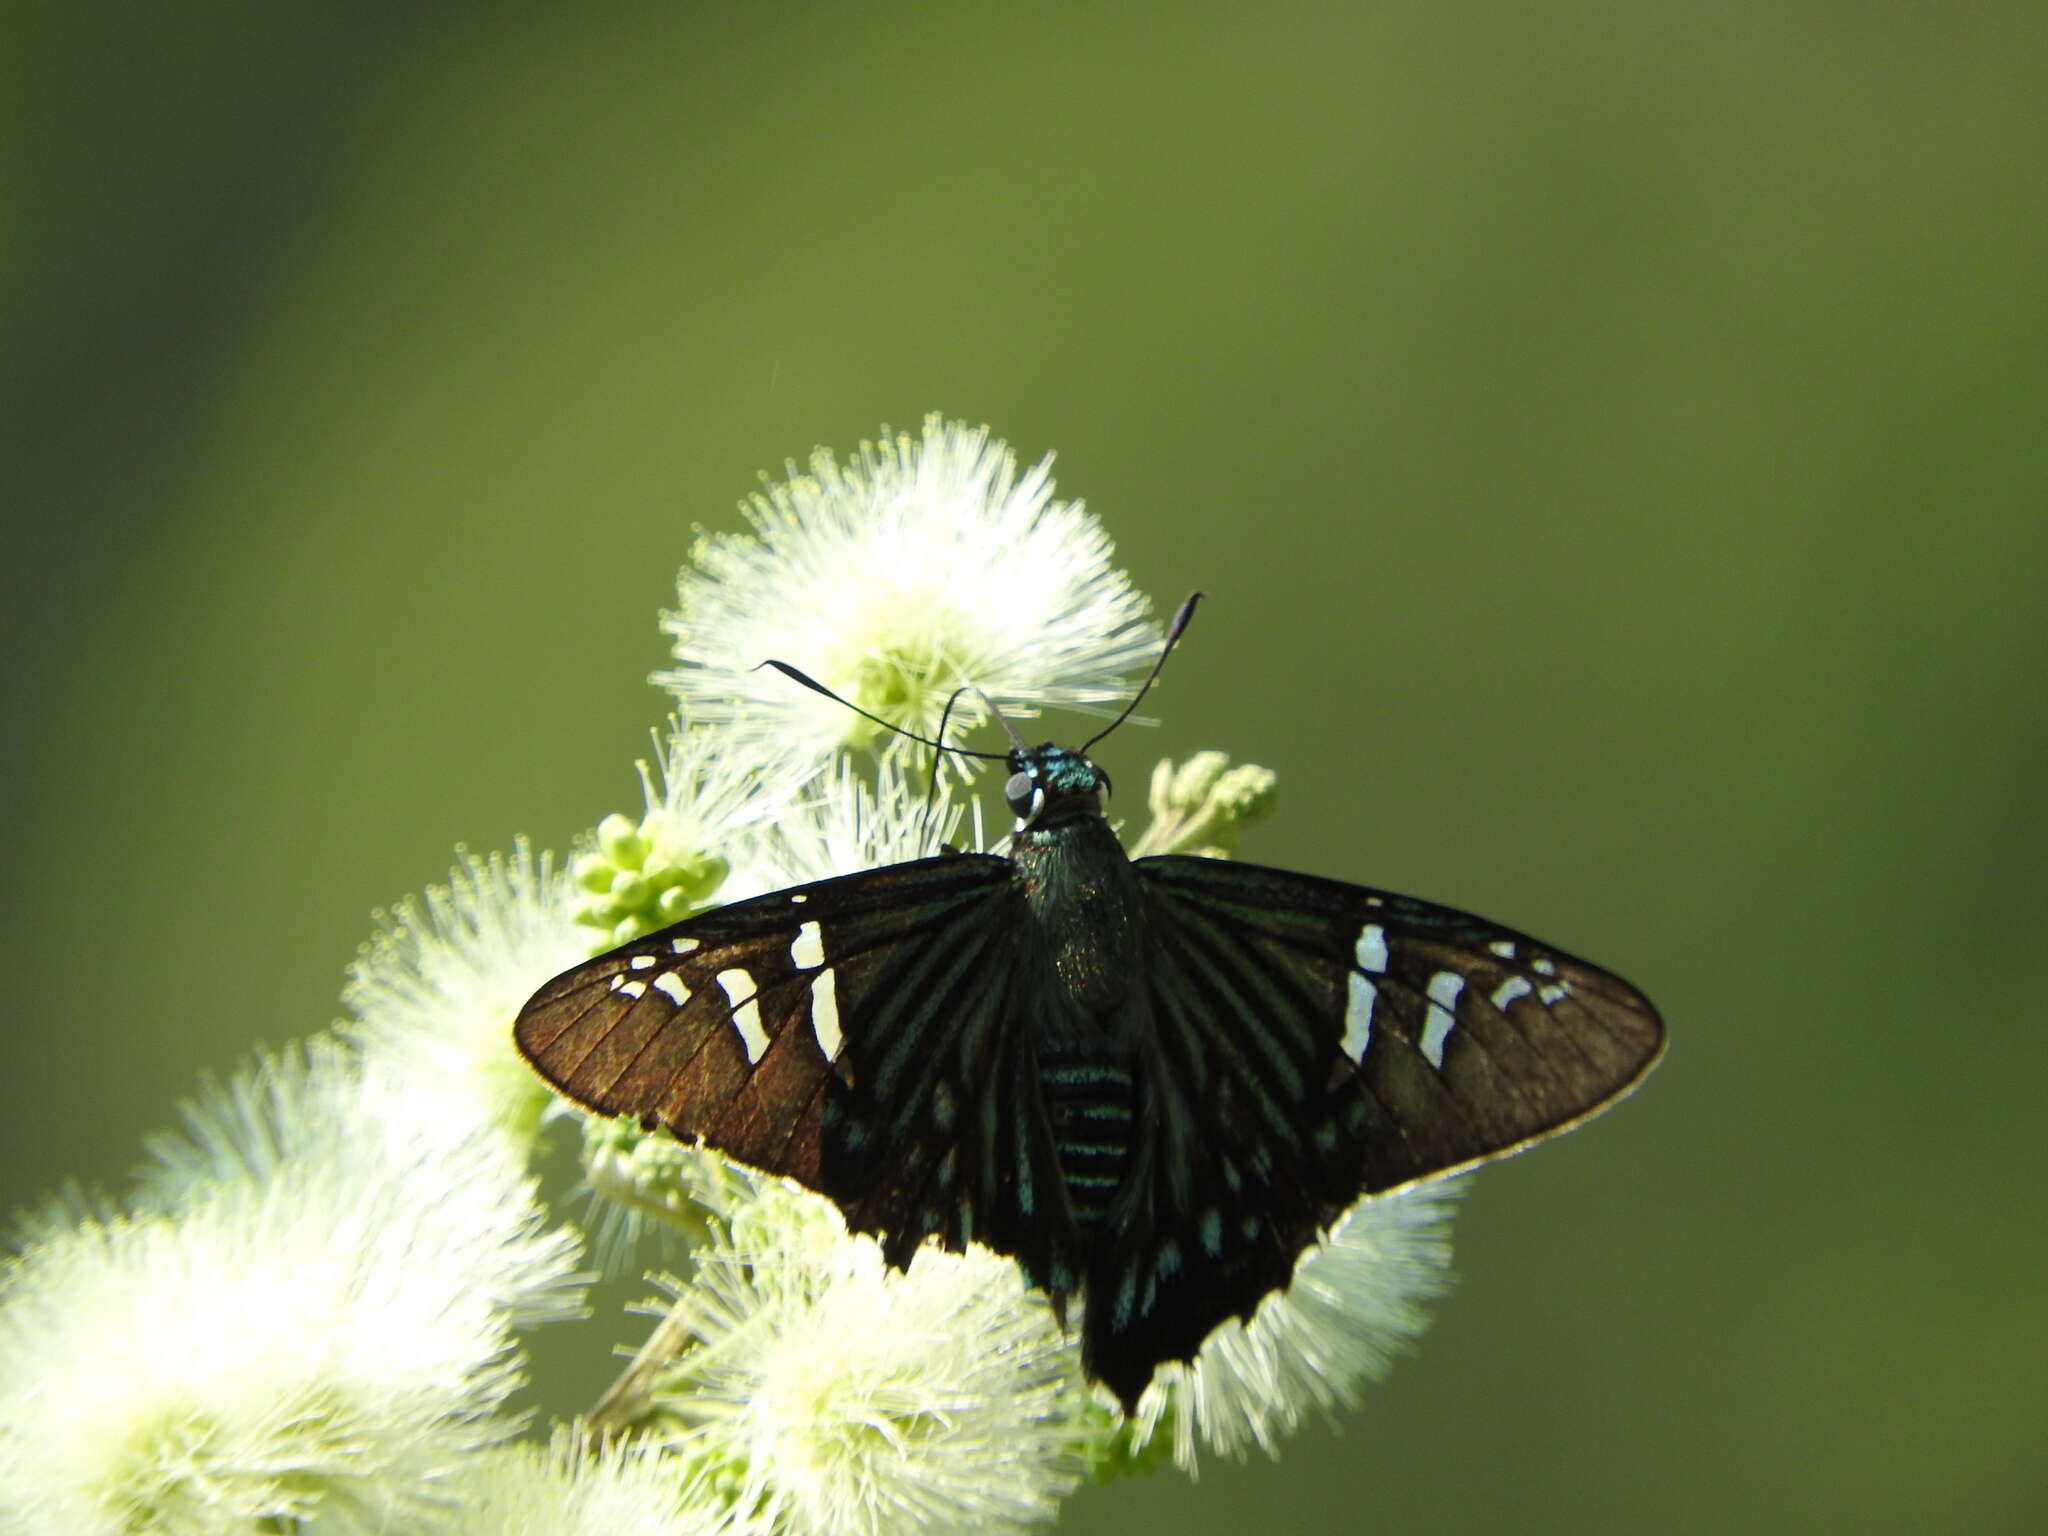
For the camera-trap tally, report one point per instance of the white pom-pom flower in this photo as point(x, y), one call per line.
point(853, 1399)
point(575, 1486)
point(308, 1315)
point(846, 824)
point(923, 565)
point(435, 990)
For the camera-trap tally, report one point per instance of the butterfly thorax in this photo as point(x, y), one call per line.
point(1078, 883)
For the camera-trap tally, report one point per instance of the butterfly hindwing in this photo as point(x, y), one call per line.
point(1240, 1156)
point(937, 1128)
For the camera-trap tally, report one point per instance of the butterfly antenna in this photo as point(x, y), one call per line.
point(1181, 616)
point(931, 794)
point(888, 725)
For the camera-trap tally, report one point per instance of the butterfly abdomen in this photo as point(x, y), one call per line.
point(1085, 905)
point(1089, 1101)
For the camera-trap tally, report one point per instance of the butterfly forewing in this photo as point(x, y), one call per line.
point(1468, 1040)
point(737, 1028)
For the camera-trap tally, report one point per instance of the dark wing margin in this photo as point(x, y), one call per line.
point(1310, 1041)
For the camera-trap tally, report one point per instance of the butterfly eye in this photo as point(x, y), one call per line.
point(1019, 789)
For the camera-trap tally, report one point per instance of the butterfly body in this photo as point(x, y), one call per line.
point(1084, 963)
point(1153, 1083)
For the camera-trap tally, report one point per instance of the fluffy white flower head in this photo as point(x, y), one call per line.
point(710, 796)
point(576, 1487)
point(922, 565)
point(435, 990)
point(859, 1399)
point(321, 1324)
point(845, 824)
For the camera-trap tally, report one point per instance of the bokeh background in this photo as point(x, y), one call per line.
point(1612, 434)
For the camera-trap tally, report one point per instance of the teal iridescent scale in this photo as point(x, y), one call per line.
point(1152, 1083)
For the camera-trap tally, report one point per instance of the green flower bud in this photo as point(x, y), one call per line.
point(620, 838)
point(593, 872)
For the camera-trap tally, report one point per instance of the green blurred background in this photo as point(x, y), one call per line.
point(1612, 434)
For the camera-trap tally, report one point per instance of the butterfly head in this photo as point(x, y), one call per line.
point(1049, 785)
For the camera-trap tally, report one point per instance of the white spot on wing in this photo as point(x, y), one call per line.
point(1505, 948)
point(746, 1016)
point(1358, 1017)
point(807, 949)
point(1508, 991)
point(1372, 949)
point(1444, 988)
point(627, 988)
point(641, 962)
point(825, 1014)
point(1555, 992)
point(797, 898)
point(683, 946)
point(1542, 967)
point(672, 984)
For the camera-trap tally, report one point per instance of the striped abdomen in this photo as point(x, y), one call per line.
point(1088, 1102)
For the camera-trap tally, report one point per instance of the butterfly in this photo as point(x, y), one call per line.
point(1154, 1083)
